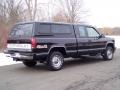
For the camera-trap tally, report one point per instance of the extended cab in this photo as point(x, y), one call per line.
point(34, 42)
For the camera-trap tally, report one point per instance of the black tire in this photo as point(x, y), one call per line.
point(29, 63)
point(108, 53)
point(55, 61)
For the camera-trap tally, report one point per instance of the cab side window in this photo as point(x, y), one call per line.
point(92, 32)
point(82, 31)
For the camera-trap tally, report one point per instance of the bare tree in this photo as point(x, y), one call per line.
point(31, 8)
point(14, 10)
point(59, 17)
point(2, 13)
point(10, 13)
point(73, 10)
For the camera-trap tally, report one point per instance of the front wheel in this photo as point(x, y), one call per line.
point(55, 61)
point(108, 54)
point(29, 63)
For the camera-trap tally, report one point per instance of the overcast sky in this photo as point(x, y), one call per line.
point(103, 12)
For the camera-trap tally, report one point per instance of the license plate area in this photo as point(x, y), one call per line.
point(19, 46)
point(16, 55)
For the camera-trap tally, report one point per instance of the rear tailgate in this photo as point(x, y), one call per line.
point(19, 44)
point(20, 37)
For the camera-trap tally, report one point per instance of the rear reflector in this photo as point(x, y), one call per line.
point(33, 43)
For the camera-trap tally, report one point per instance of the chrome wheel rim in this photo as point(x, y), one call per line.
point(57, 61)
point(109, 53)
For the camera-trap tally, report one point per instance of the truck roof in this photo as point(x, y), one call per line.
point(54, 23)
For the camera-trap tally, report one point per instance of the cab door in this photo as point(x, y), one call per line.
point(95, 42)
point(82, 39)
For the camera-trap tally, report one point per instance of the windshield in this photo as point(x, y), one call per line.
point(22, 30)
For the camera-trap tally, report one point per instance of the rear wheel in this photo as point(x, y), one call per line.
point(29, 63)
point(108, 54)
point(55, 61)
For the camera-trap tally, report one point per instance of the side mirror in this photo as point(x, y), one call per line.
point(101, 36)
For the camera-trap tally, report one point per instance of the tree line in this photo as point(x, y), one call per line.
point(110, 31)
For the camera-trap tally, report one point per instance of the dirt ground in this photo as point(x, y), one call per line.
point(78, 74)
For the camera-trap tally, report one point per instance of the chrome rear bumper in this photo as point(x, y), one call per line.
point(22, 57)
point(19, 56)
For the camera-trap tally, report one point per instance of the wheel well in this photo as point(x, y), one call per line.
point(111, 45)
point(60, 49)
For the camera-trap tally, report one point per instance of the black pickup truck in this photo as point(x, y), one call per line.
point(50, 43)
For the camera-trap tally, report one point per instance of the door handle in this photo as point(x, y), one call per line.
point(89, 40)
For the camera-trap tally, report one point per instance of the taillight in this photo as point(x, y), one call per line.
point(33, 43)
